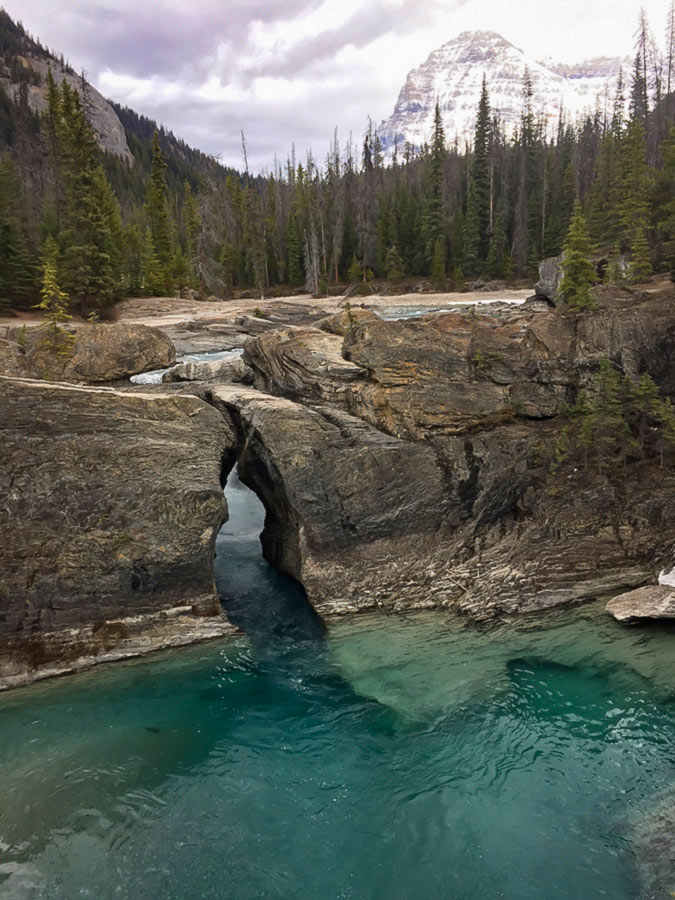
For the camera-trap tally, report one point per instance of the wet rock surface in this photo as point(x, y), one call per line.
point(655, 601)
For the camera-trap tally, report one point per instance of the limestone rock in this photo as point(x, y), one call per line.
point(550, 276)
point(302, 362)
point(349, 509)
point(656, 601)
point(95, 353)
point(234, 370)
point(108, 129)
point(12, 358)
point(111, 504)
point(456, 372)
point(346, 320)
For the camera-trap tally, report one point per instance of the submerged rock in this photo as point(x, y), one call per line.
point(655, 601)
point(112, 502)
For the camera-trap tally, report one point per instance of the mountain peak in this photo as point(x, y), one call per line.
point(453, 75)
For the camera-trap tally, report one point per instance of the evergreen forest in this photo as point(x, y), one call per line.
point(173, 219)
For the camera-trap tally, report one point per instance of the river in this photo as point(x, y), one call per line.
point(409, 757)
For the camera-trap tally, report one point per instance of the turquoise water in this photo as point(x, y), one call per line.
point(393, 758)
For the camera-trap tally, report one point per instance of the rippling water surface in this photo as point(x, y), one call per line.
point(392, 758)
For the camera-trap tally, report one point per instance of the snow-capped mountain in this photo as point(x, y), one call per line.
point(454, 74)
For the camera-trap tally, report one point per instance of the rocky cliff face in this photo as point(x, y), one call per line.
point(454, 75)
point(108, 129)
point(111, 503)
point(463, 512)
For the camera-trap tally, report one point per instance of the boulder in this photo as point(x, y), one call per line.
point(455, 372)
point(303, 362)
point(550, 276)
point(655, 601)
point(91, 354)
point(12, 358)
point(346, 320)
point(111, 504)
point(234, 370)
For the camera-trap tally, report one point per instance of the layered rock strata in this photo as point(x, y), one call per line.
point(110, 506)
point(468, 404)
point(88, 354)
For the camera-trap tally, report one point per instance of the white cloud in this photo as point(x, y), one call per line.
point(291, 70)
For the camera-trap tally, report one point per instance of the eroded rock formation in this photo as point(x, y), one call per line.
point(464, 405)
point(111, 503)
point(88, 354)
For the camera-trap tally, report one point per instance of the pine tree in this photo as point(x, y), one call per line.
point(614, 273)
point(91, 236)
point(227, 266)
point(355, 271)
point(157, 209)
point(433, 221)
point(472, 240)
point(394, 264)
point(635, 183)
point(18, 275)
point(605, 432)
point(640, 264)
point(578, 272)
point(54, 302)
point(645, 402)
point(193, 231)
point(481, 174)
point(293, 252)
point(151, 269)
point(497, 260)
point(664, 201)
point(438, 265)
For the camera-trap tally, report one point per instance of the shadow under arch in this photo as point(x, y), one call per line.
point(270, 606)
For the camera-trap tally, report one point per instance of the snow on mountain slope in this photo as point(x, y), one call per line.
point(454, 74)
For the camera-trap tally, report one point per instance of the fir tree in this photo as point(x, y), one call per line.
point(577, 268)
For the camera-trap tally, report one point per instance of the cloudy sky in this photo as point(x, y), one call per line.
point(289, 71)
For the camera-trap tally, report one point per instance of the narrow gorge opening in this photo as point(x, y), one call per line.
point(267, 605)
